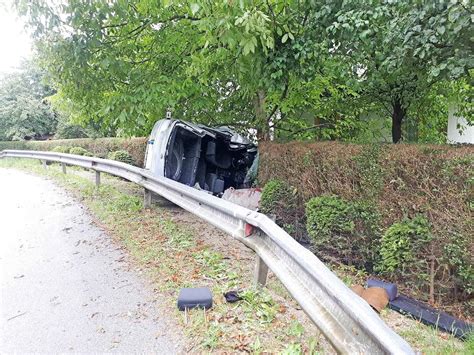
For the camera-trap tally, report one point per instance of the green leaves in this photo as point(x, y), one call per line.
point(401, 242)
point(24, 111)
point(121, 66)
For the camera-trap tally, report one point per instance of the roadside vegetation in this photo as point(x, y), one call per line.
point(402, 213)
point(175, 250)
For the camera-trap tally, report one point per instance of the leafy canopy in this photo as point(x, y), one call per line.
point(288, 68)
point(24, 110)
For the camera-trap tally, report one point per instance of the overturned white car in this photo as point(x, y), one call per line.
point(211, 159)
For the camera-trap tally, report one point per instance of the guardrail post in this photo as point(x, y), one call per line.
point(261, 272)
point(63, 166)
point(146, 198)
point(97, 179)
point(45, 166)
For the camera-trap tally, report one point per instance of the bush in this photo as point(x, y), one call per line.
point(122, 156)
point(402, 242)
point(80, 151)
point(458, 256)
point(280, 200)
point(61, 149)
point(341, 230)
point(276, 195)
point(327, 216)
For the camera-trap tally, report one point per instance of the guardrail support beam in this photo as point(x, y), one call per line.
point(63, 166)
point(261, 272)
point(45, 166)
point(146, 198)
point(97, 179)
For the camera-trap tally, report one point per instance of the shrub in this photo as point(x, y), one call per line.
point(384, 184)
point(369, 171)
point(277, 195)
point(403, 243)
point(343, 230)
point(61, 149)
point(458, 256)
point(20, 145)
point(122, 156)
point(80, 151)
point(280, 199)
point(327, 216)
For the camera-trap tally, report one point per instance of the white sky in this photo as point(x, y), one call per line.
point(15, 44)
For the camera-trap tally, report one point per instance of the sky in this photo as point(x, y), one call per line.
point(15, 44)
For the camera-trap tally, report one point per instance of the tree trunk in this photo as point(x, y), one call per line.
point(263, 130)
point(398, 114)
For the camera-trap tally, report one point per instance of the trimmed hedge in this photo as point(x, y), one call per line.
point(365, 201)
point(100, 147)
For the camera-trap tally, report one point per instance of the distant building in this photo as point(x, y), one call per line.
point(459, 131)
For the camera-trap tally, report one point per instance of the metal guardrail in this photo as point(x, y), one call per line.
point(347, 321)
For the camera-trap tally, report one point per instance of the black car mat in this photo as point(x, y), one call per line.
point(431, 316)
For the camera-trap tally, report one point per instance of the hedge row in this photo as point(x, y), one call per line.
point(402, 211)
point(100, 147)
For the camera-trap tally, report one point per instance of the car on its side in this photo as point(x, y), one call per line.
point(210, 159)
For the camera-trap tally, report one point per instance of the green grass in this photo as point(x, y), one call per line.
point(434, 342)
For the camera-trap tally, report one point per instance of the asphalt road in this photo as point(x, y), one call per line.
point(64, 285)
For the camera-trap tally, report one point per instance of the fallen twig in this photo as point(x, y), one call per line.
point(18, 315)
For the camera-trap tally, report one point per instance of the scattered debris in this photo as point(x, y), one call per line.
point(94, 314)
point(391, 288)
point(249, 198)
point(430, 316)
point(232, 296)
point(376, 297)
point(194, 297)
point(420, 311)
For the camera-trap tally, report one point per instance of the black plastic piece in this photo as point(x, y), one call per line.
point(194, 297)
point(232, 296)
point(391, 288)
point(431, 316)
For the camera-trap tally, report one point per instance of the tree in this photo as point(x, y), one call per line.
point(280, 67)
point(123, 64)
point(24, 110)
point(399, 50)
